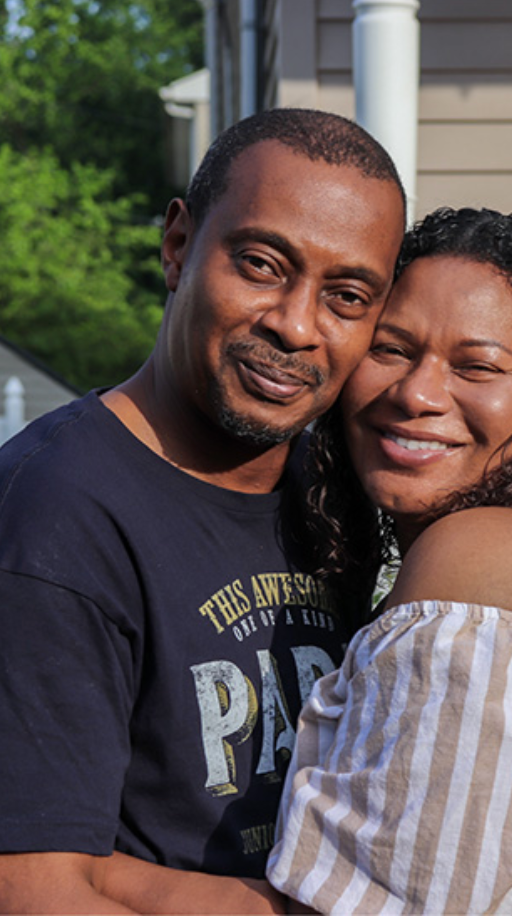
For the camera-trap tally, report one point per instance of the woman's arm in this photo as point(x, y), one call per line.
point(65, 883)
point(55, 882)
point(150, 888)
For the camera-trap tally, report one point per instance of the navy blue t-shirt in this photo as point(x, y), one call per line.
point(156, 648)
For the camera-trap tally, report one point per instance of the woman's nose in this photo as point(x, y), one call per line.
point(423, 389)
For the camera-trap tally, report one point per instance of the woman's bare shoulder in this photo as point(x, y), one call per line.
point(464, 557)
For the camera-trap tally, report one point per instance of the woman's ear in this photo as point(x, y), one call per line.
point(177, 236)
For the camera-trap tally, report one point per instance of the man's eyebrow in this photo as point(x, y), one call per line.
point(282, 244)
point(266, 237)
point(376, 281)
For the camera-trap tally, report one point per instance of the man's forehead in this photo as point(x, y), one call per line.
point(275, 168)
point(271, 179)
point(266, 156)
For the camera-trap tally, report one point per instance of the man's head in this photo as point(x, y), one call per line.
point(278, 266)
point(318, 135)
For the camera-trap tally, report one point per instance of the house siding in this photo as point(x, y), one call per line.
point(465, 97)
point(465, 110)
point(42, 392)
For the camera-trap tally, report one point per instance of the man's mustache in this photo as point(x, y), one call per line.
point(264, 353)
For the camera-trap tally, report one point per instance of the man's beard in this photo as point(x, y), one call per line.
point(260, 435)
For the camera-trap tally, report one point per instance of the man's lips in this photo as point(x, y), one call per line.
point(272, 381)
point(272, 373)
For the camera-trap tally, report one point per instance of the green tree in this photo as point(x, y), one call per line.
point(82, 77)
point(71, 260)
point(81, 175)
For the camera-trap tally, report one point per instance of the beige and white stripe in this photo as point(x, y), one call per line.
point(398, 798)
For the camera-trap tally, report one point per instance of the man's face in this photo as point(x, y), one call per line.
point(277, 292)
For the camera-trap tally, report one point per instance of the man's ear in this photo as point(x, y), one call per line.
point(177, 237)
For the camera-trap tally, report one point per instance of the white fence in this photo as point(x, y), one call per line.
point(13, 418)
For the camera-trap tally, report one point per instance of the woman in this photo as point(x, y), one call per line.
point(399, 796)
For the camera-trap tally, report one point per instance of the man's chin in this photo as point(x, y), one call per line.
point(254, 433)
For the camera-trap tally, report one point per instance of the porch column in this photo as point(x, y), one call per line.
point(385, 36)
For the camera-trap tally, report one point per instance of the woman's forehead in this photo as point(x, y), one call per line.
point(453, 291)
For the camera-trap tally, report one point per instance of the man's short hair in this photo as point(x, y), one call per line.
point(312, 133)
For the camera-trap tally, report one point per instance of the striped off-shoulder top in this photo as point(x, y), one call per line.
point(398, 797)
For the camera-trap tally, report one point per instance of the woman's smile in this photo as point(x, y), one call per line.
point(431, 404)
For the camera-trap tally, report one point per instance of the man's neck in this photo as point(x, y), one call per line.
point(208, 454)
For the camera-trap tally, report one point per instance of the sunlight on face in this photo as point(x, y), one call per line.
point(432, 401)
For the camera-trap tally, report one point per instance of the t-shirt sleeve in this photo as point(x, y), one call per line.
point(407, 804)
point(65, 701)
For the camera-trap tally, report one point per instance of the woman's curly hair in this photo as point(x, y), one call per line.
point(343, 523)
point(350, 538)
point(475, 235)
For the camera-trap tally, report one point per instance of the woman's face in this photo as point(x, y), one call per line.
point(432, 400)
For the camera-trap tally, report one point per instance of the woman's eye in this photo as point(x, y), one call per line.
point(388, 351)
point(479, 371)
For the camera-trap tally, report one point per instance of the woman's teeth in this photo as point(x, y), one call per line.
point(416, 445)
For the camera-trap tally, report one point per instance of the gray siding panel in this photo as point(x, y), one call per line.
point(467, 46)
point(489, 99)
point(480, 10)
point(469, 190)
point(334, 46)
point(335, 9)
point(465, 103)
point(465, 148)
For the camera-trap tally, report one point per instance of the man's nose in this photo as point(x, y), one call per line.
point(293, 318)
point(423, 389)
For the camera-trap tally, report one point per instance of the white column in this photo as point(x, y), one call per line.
point(386, 43)
point(14, 417)
point(210, 33)
point(248, 57)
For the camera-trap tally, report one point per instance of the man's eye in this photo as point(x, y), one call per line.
point(350, 296)
point(254, 265)
point(347, 302)
point(257, 262)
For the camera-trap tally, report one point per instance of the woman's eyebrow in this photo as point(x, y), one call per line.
point(486, 342)
point(469, 342)
point(395, 329)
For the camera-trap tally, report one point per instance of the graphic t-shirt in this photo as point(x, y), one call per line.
point(157, 645)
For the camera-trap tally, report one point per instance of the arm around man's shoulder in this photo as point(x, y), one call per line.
point(65, 883)
point(464, 557)
point(55, 882)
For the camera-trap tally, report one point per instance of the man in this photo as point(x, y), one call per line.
point(159, 630)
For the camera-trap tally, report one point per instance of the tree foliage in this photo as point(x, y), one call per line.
point(70, 270)
point(82, 76)
point(81, 176)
